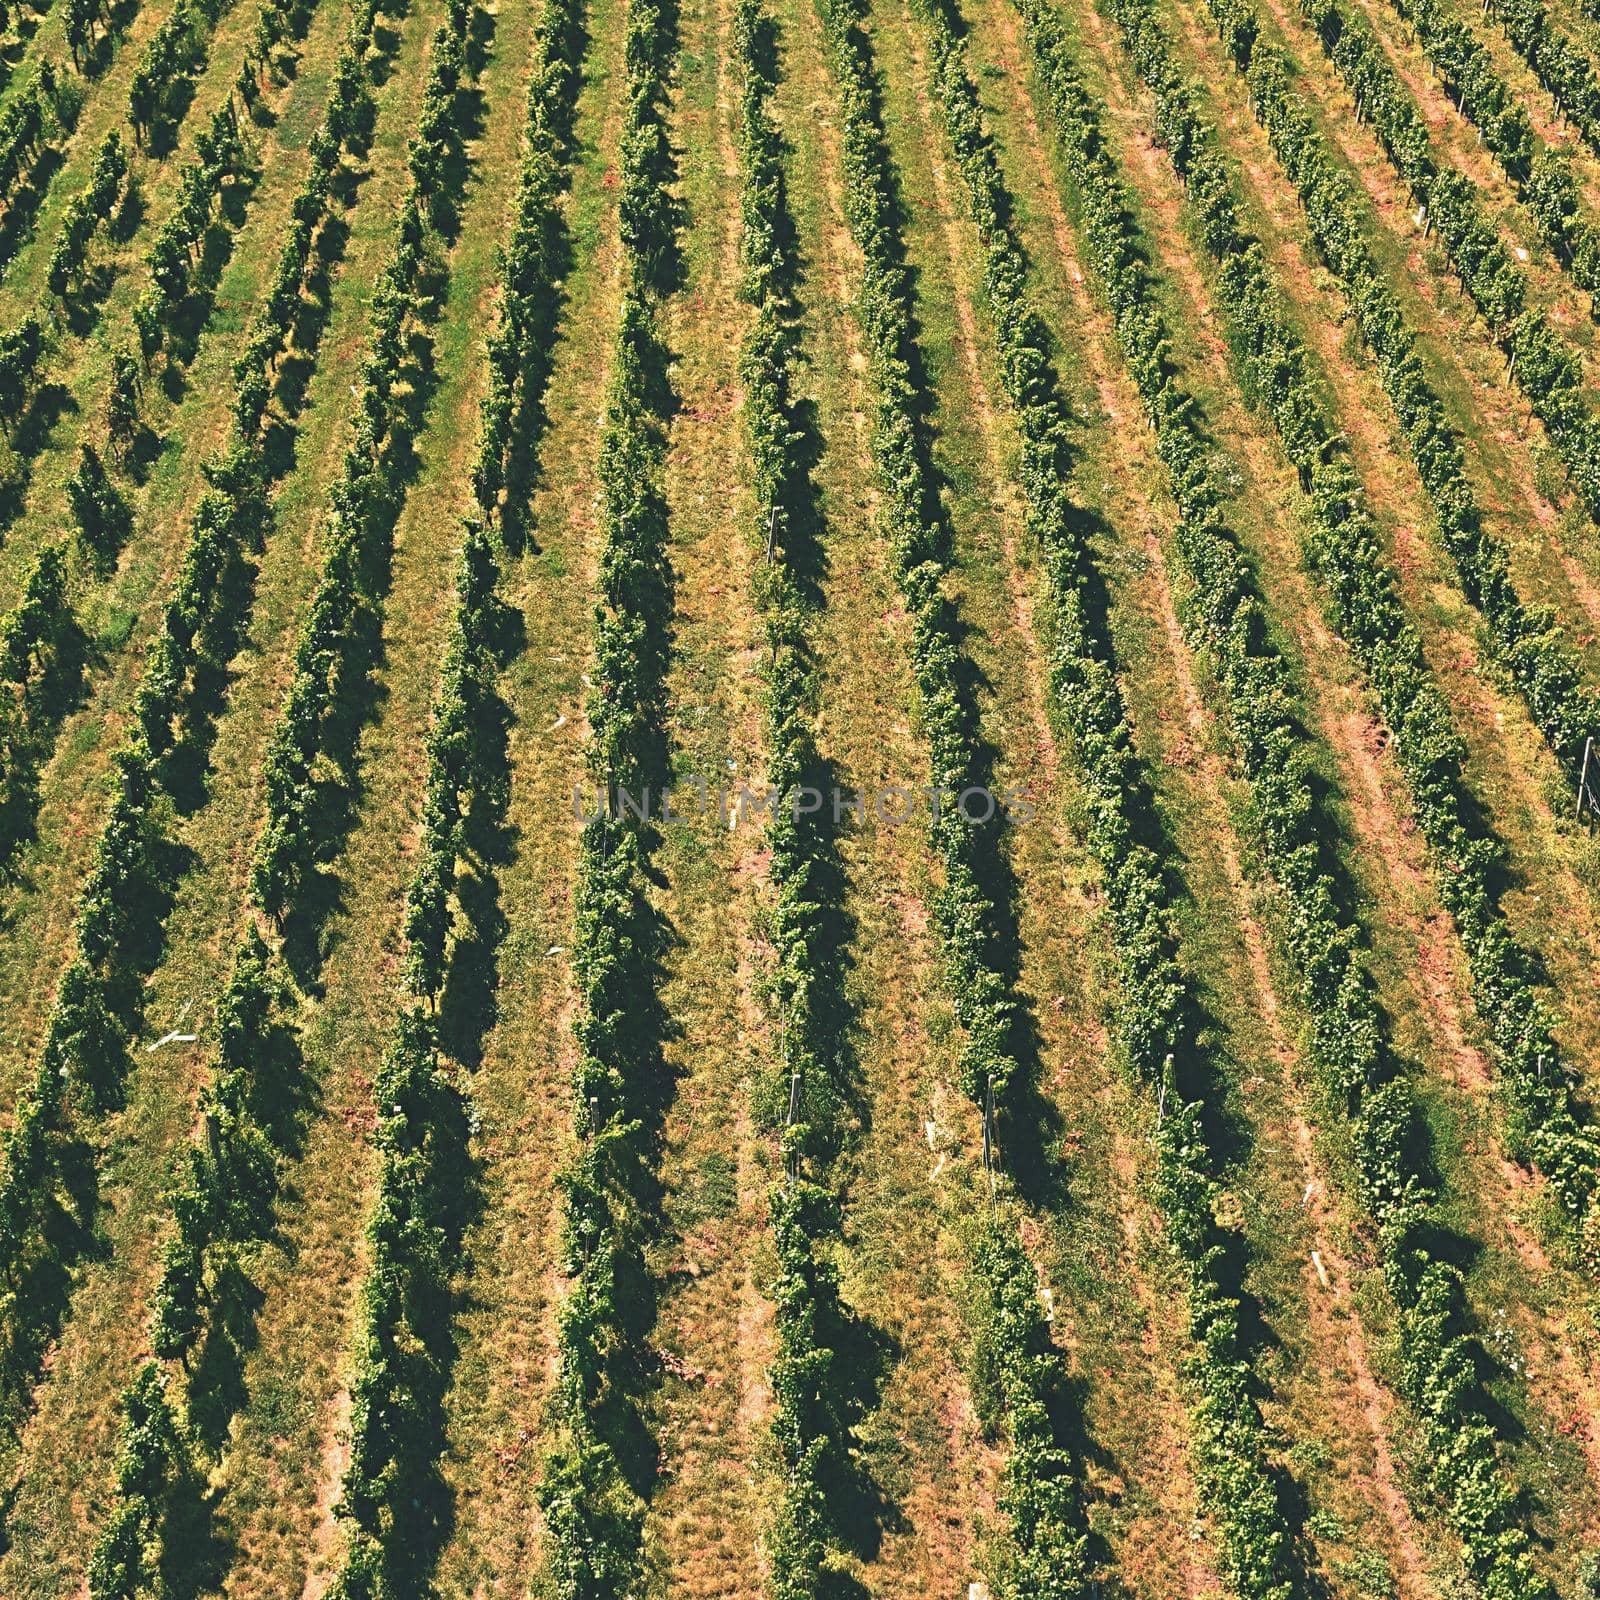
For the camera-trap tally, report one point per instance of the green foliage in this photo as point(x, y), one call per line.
point(399, 1382)
point(84, 20)
point(230, 1184)
point(231, 1180)
point(458, 774)
point(227, 1192)
point(99, 513)
point(1542, 176)
point(31, 632)
point(1589, 1577)
point(122, 404)
point(228, 523)
point(347, 122)
point(151, 1459)
point(819, 1391)
point(913, 520)
point(1527, 640)
point(83, 1044)
point(1040, 1491)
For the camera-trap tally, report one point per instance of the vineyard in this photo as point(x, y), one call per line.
point(800, 799)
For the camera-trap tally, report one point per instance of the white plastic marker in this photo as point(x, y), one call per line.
point(175, 1037)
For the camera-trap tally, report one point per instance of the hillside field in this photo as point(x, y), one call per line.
point(800, 799)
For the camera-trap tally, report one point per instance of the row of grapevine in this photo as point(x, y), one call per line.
point(220, 155)
point(429, 152)
point(535, 255)
point(1159, 1012)
point(1041, 1492)
point(38, 640)
point(593, 1509)
point(83, 20)
point(1361, 1077)
point(44, 111)
point(101, 523)
point(20, 350)
point(232, 1180)
point(175, 53)
point(461, 718)
point(404, 1340)
point(275, 25)
point(816, 1399)
point(1550, 1125)
point(84, 1056)
point(361, 508)
point(220, 158)
point(1542, 363)
point(1542, 176)
point(1565, 69)
point(152, 1460)
point(91, 206)
point(919, 538)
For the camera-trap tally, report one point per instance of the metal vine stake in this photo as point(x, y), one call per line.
point(794, 1117)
